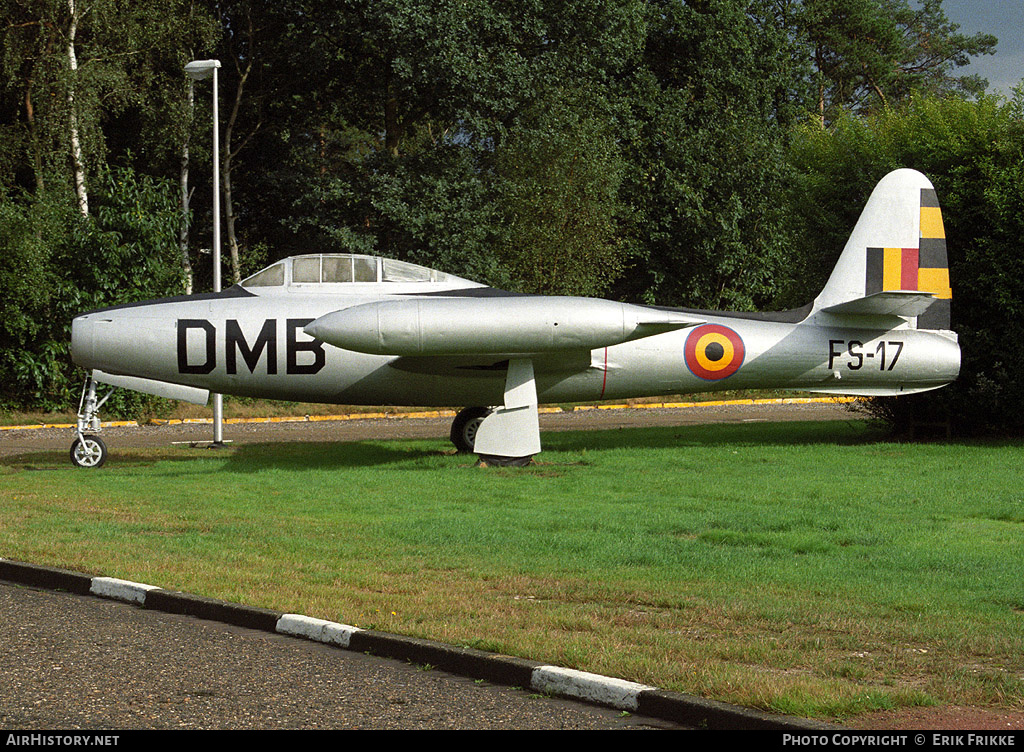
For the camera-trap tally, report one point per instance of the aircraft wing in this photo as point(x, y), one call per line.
point(451, 365)
point(519, 326)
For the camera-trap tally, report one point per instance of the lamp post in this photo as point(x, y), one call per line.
point(199, 70)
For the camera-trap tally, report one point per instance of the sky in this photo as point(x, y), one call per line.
point(1005, 20)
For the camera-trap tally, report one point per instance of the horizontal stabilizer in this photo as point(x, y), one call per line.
point(159, 388)
point(888, 303)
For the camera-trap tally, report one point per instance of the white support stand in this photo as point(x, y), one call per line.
point(511, 434)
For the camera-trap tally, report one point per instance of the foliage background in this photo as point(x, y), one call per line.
point(973, 151)
point(707, 153)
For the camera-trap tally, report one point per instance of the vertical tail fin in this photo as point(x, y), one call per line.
point(896, 256)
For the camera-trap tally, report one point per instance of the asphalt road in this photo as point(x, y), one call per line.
point(78, 662)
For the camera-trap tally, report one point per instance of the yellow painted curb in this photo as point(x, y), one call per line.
point(719, 403)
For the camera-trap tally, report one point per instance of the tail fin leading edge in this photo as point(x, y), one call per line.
point(895, 259)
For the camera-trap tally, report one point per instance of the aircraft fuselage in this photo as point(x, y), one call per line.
point(251, 345)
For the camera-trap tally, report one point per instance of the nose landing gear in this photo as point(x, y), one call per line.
point(88, 450)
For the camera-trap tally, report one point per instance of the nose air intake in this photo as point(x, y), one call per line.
point(83, 339)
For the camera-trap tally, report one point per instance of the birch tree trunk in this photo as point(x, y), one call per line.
point(76, 143)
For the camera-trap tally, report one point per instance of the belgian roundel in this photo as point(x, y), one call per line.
point(713, 352)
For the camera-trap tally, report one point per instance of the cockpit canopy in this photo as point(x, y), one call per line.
point(327, 272)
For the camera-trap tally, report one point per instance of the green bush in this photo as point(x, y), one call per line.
point(973, 152)
point(59, 264)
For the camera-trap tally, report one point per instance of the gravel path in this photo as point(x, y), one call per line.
point(14, 442)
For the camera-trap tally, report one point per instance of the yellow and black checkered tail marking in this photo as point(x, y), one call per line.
point(924, 268)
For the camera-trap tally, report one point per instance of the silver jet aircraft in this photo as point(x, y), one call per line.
point(352, 329)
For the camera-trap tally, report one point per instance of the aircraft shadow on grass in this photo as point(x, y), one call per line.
point(412, 452)
point(324, 455)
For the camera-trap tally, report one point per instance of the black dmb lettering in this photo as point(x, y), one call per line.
point(235, 343)
point(309, 352)
point(211, 346)
point(314, 346)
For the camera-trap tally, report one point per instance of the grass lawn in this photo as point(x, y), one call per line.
point(805, 568)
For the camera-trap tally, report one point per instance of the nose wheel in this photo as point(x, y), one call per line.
point(88, 451)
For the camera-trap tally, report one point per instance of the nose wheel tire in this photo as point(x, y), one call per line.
point(88, 451)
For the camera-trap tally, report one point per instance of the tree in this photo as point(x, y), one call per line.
point(868, 54)
point(395, 150)
point(59, 263)
point(74, 134)
point(86, 83)
point(89, 79)
point(560, 198)
point(703, 140)
point(242, 43)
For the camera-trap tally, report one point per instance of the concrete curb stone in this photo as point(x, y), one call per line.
point(45, 577)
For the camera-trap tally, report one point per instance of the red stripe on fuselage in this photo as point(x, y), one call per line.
point(604, 376)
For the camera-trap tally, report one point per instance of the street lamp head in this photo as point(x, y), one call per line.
point(200, 69)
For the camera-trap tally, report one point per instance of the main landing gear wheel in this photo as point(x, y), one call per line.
point(88, 451)
point(465, 425)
